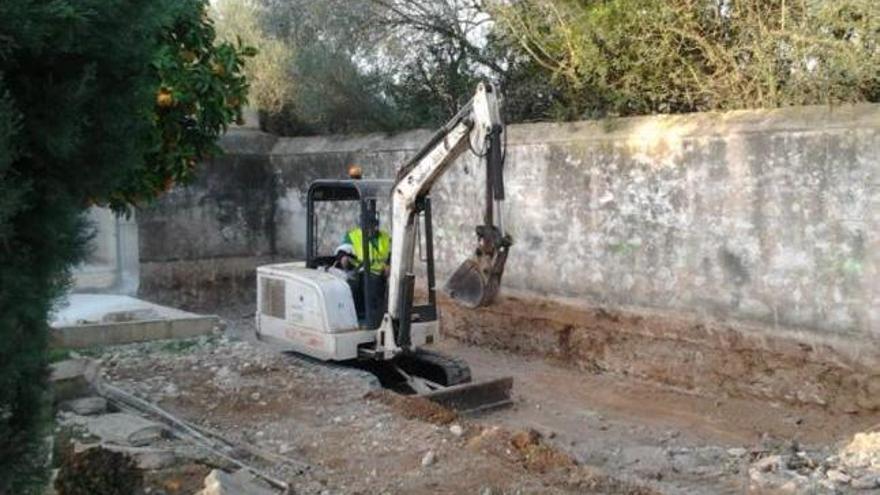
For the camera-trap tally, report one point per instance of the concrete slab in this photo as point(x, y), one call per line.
point(125, 429)
point(87, 406)
point(91, 320)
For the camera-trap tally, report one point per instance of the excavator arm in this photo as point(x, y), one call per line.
point(477, 126)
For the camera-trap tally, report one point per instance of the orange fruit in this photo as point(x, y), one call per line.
point(164, 98)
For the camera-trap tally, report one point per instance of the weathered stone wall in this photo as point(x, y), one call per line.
point(763, 216)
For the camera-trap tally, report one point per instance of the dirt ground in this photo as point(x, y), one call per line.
point(634, 430)
point(341, 432)
point(572, 429)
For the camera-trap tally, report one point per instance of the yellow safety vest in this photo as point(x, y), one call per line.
point(380, 249)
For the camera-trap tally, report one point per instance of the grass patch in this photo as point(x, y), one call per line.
point(178, 346)
point(58, 354)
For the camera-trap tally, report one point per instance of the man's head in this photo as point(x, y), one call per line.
point(344, 253)
point(344, 250)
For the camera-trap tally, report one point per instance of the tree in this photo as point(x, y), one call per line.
point(269, 72)
point(624, 57)
point(328, 86)
point(378, 65)
point(101, 102)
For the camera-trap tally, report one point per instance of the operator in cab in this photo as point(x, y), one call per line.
point(351, 251)
point(350, 257)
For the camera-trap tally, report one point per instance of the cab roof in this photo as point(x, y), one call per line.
point(350, 189)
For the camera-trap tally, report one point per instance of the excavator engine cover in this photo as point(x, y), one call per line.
point(477, 281)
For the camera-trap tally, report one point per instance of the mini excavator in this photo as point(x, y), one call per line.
point(308, 308)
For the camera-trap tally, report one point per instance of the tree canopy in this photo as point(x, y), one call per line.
point(628, 57)
point(101, 102)
point(362, 65)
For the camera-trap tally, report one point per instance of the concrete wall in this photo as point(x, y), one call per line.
point(767, 216)
point(112, 265)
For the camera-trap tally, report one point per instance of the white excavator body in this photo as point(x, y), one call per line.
point(312, 312)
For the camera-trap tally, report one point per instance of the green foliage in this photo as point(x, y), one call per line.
point(271, 82)
point(201, 90)
point(368, 65)
point(365, 65)
point(337, 86)
point(624, 57)
point(334, 96)
point(82, 122)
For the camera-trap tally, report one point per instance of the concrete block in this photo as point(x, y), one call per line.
point(125, 429)
point(92, 320)
point(87, 406)
point(104, 334)
point(69, 379)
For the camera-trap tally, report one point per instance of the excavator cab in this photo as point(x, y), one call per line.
point(361, 202)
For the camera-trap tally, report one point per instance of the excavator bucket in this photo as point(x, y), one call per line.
point(477, 281)
point(472, 285)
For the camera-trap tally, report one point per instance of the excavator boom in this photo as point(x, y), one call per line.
point(476, 282)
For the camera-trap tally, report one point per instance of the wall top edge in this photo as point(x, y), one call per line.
point(805, 119)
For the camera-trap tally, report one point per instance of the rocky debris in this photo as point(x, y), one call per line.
point(862, 452)
point(838, 476)
point(171, 390)
point(70, 379)
point(237, 483)
point(771, 463)
point(413, 407)
point(532, 450)
point(144, 457)
point(647, 460)
point(98, 471)
point(855, 467)
point(125, 429)
point(456, 430)
point(737, 452)
point(429, 458)
point(87, 406)
point(868, 482)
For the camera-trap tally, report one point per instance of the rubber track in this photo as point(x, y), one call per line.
point(456, 369)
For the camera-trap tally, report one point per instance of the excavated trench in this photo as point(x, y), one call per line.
point(699, 356)
point(684, 352)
